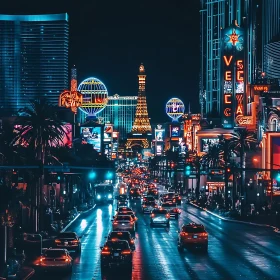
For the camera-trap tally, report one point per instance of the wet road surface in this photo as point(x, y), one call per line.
point(236, 251)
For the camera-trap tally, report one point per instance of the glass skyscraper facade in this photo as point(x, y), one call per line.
point(33, 59)
point(120, 111)
point(216, 15)
point(271, 38)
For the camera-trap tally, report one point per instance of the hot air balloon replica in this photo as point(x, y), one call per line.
point(95, 96)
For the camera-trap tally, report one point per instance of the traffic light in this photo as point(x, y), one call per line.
point(188, 170)
point(92, 175)
point(109, 175)
point(58, 178)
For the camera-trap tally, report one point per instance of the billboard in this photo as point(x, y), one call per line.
point(275, 150)
point(207, 142)
point(158, 150)
point(92, 135)
point(232, 74)
point(175, 130)
point(108, 132)
point(159, 135)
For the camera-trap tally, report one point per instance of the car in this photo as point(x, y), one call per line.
point(116, 253)
point(192, 235)
point(135, 193)
point(153, 193)
point(131, 213)
point(122, 197)
point(148, 198)
point(123, 222)
point(68, 240)
point(55, 259)
point(123, 209)
point(148, 206)
point(172, 209)
point(178, 199)
point(170, 196)
point(122, 235)
point(160, 216)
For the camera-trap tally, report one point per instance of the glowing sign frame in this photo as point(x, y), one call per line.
point(71, 99)
point(174, 108)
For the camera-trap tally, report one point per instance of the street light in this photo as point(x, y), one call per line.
point(92, 175)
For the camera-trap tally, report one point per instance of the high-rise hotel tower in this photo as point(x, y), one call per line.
point(33, 59)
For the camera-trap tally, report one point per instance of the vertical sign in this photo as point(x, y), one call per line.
point(232, 71)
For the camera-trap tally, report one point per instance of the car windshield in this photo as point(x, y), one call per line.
point(117, 245)
point(193, 229)
point(55, 253)
point(158, 211)
point(67, 235)
point(104, 188)
point(122, 196)
point(123, 218)
point(150, 203)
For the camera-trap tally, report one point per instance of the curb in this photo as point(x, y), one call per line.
point(277, 230)
point(68, 225)
point(31, 273)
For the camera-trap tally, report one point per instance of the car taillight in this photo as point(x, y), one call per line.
point(105, 253)
point(131, 222)
point(183, 233)
point(132, 241)
point(57, 241)
point(204, 234)
point(75, 241)
point(144, 206)
point(41, 259)
point(179, 197)
point(174, 200)
point(126, 252)
point(67, 260)
point(131, 191)
point(115, 223)
point(156, 206)
point(152, 215)
point(167, 216)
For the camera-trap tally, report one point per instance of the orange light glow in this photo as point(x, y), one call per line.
point(227, 61)
point(228, 75)
point(227, 98)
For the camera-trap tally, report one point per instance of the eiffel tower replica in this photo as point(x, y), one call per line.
point(141, 129)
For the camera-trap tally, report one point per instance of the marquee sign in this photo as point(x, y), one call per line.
point(71, 99)
point(233, 78)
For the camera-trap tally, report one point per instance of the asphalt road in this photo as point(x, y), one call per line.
point(236, 251)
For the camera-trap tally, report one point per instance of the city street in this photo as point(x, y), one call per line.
point(236, 251)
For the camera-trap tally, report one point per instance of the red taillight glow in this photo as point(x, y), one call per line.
point(57, 241)
point(115, 223)
point(179, 197)
point(204, 234)
point(183, 233)
point(41, 259)
point(67, 260)
point(167, 216)
point(132, 241)
point(119, 233)
point(105, 253)
point(126, 252)
point(152, 215)
point(75, 241)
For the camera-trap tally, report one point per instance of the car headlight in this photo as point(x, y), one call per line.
point(98, 196)
point(110, 196)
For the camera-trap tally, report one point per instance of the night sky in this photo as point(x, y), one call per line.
point(109, 40)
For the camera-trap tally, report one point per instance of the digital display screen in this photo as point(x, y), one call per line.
point(175, 131)
point(159, 135)
point(275, 152)
point(92, 135)
point(108, 132)
point(207, 142)
point(159, 149)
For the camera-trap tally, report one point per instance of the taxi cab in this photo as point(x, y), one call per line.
point(193, 235)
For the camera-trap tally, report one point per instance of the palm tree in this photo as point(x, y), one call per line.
point(197, 161)
point(242, 140)
point(39, 128)
point(214, 157)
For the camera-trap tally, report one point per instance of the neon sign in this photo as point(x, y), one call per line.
point(71, 99)
point(261, 88)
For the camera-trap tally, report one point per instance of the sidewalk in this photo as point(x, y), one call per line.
point(277, 230)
